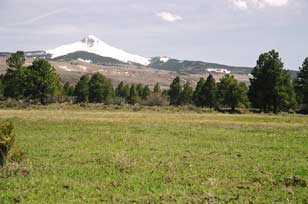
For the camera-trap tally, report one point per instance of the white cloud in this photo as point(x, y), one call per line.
point(241, 4)
point(167, 16)
point(245, 4)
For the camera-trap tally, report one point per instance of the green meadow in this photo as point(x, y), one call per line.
point(84, 155)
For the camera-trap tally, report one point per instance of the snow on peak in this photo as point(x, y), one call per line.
point(94, 45)
point(164, 59)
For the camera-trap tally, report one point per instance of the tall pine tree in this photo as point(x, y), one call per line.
point(301, 84)
point(208, 92)
point(186, 95)
point(81, 91)
point(175, 91)
point(271, 89)
point(197, 95)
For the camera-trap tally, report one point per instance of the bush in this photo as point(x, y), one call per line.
point(7, 139)
point(155, 100)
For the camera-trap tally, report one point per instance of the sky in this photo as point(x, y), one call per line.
point(232, 32)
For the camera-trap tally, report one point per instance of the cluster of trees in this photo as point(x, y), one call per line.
point(227, 93)
point(37, 81)
point(98, 89)
point(270, 90)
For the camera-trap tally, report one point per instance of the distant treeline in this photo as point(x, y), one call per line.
point(271, 88)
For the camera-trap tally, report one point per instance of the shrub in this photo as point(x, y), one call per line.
point(7, 139)
point(155, 100)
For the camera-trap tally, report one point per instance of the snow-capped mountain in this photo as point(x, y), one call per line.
point(94, 45)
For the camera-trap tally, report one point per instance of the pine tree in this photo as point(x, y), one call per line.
point(186, 95)
point(133, 95)
point(119, 89)
point(100, 89)
point(271, 89)
point(175, 91)
point(301, 84)
point(146, 92)
point(82, 89)
point(125, 93)
point(197, 95)
point(208, 92)
point(231, 93)
point(14, 78)
point(41, 81)
point(68, 89)
point(157, 89)
point(139, 89)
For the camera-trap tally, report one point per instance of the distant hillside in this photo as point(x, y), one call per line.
point(193, 67)
point(87, 57)
point(199, 67)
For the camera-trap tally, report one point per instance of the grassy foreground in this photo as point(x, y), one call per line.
point(96, 156)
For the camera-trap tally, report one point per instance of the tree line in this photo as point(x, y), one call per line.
point(271, 88)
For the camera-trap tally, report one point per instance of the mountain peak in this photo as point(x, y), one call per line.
point(90, 40)
point(93, 44)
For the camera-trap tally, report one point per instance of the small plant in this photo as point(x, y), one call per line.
point(7, 139)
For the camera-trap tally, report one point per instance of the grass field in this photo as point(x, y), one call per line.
point(97, 156)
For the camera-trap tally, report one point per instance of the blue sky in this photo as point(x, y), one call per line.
point(232, 32)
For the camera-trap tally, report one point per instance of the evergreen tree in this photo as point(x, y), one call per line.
point(175, 91)
point(208, 92)
point(301, 84)
point(139, 89)
point(231, 93)
point(146, 92)
point(14, 78)
point(133, 95)
point(41, 81)
point(68, 89)
point(71, 91)
point(271, 89)
point(82, 89)
point(157, 89)
point(1, 85)
point(165, 94)
point(197, 95)
point(125, 93)
point(100, 89)
point(186, 95)
point(119, 89)
point(108, 92)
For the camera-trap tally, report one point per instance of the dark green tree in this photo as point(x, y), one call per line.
point(157, 89)
point(100, 89)
point(133, 95)
point(175, 91)
point(41, 81)
point(301, 84)
point(197, 95)
point(231, 93)
point(96, 88)
point(271, 88)
point(139, 89)
point(14, 78)
point(146, 92)
point(1, 85)
point(208, 92)
point(119, 89)
point(186, 95)
point(108, 92)
point(68, 89)
point(125, 93)
point(165, 94)
point(81, 91)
